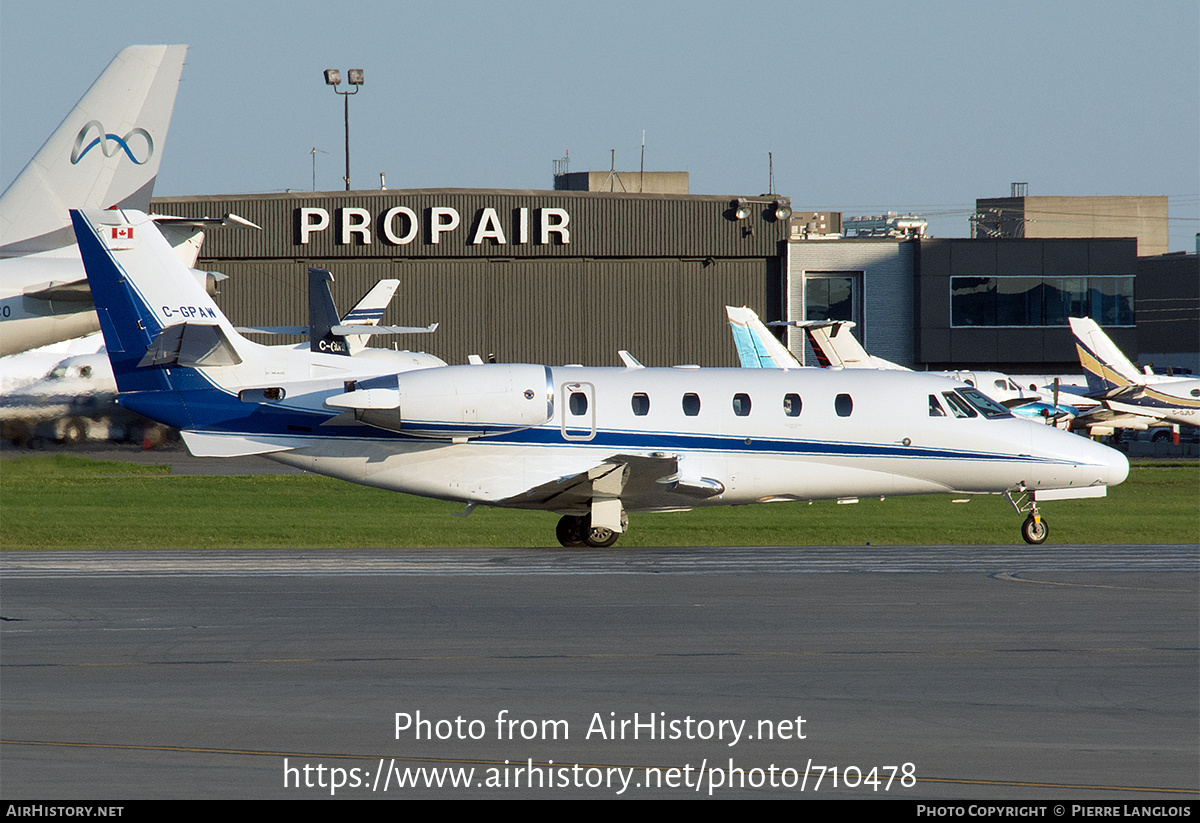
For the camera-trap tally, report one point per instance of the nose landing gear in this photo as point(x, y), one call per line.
point(1034, 530)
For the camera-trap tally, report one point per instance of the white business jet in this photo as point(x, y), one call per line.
point(590, 444)
point(1130, 398)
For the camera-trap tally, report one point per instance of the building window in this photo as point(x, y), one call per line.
point(1040, 301)
point(834, 296)
point(741, 404)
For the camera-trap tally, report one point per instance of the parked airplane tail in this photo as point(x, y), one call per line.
point(757, 348)
point(158, 322)
point(837, 347)
point(105, 153)
point(1106, 365)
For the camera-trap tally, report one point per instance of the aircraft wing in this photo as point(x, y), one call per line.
point(636, 480)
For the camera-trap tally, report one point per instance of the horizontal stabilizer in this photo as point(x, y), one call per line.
point(72, 291)
point(303, 330)
point(366, 330)
point(191, 345)
point(203, 444)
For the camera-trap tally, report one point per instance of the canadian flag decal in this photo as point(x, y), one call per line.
point(122, 233)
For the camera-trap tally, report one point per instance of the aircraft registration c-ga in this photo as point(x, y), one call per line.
point(590, 444)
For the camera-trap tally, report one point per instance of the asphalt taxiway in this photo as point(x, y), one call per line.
point(996, 672)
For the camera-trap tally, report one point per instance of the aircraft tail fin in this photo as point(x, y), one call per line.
point(323, 315)
point(757, 348)
point(159, 323)
point(105, 153)
point(1107, 367)
point(368, 312)
point(837, 347)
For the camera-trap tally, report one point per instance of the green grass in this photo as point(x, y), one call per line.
point(62, 465)
point(73, 503)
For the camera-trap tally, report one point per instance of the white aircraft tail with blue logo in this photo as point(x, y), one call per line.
point(105, 153)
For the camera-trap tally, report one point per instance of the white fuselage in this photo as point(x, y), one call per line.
point(883, 443)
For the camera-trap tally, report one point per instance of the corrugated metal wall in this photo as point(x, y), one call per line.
point(647, 273)
point(564, 311)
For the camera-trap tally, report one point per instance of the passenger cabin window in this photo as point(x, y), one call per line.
point(691, 404)
point(843, 405)
point(741, 404)
point(935, 408)
point(578, 403)
point(791, 405)
point(641, 404)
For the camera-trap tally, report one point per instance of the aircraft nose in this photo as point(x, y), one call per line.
point(1118, 467)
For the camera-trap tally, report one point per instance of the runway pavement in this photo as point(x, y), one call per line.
point(1063, 672)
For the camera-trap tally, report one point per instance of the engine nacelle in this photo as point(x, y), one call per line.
point(456, 401)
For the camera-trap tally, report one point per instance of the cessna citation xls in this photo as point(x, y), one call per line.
point(590, 444)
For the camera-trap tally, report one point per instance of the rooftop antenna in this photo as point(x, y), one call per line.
point(643, 168)
point(613, 178)
point(560, 165)
point(313, 151)
point(770, 174)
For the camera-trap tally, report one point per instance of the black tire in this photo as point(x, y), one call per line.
point(1034, 531)
point(74, 431)
point(571, 531)
point(599, 537)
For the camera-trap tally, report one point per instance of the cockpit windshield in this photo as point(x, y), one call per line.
point(987, 406)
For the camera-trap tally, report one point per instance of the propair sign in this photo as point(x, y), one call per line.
point(401, 225)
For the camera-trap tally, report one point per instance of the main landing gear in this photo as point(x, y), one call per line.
point(575, 531)
point(1034, 529)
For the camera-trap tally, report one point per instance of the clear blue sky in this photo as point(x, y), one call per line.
point(867, 106)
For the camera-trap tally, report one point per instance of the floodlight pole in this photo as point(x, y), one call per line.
point(333, 77)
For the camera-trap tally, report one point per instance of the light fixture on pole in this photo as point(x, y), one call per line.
point(333, 77)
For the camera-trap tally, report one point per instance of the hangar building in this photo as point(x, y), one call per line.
point(528, 276)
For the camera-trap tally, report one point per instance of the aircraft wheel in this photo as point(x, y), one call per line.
point(75, 431)
point(1033, 531)
point(601, 538)
point(571, 531)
